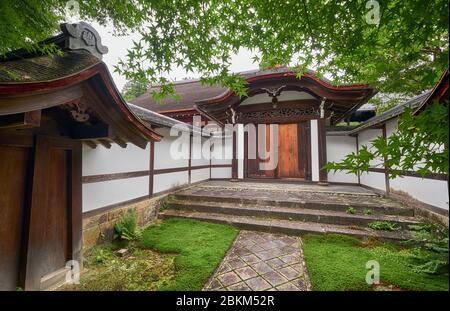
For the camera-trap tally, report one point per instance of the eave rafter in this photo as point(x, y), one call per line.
point(92, 89)
point(340, 100)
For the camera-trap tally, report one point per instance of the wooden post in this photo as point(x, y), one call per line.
point(386, 171)
point(323, 175)
point(234, 162)
point(151, 169)
point(190, 160)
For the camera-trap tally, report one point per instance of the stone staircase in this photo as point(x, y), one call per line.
point(291, 210)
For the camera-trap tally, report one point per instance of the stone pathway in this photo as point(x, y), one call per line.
point(262, 261)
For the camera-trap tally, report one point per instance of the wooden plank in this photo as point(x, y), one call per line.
point(25, 103)
point(21, 120)
point(386, 173)
point(114, 176)
point(14, 171)
point(89, 132)
point(151, 168)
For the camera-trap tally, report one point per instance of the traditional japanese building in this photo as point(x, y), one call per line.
point(74, 155)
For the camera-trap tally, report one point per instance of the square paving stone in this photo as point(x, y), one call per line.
point(258, 283)
point(275, 263)
point(300, 283)
point(290, 259)
point(266, 255)
point(250, 259)
point(241, 286)
point(274, 278)
point(299, 268)
point(246, 273)
point(229, 278)
point(289, 273)
point(223, 268)
point(288, 287)
point(267, 245)
point(255, 248)
point(215, 285)
point(236, 263)
point(261, 267)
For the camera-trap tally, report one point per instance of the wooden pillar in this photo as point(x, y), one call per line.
point(151, 169)
point(308, 168)
point(245, 154)
point(386, 171)
point(234, 162)
point(357, 152)
point(190, 160)
point(322, 136)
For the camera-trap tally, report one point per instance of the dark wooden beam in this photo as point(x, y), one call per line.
point(90, 143)
point(89, 132)
point(120, 142)
point(105, 143)
point(386, 173)
point(31, 102)
point(151, 168)
point(234, 161)
point(21, 120)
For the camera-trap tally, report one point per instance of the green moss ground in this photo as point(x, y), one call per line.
point(176, 254)
point(337, 262)
point(200, 247)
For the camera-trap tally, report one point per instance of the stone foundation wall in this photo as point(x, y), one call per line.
point(430, 212)
point(100, 227)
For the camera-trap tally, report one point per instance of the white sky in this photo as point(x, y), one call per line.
point(118, 49)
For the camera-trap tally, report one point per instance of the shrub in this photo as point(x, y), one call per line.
point(128, 229)
point(431, 248)
point(383, 225)
point(166, 202)
point(351, 210)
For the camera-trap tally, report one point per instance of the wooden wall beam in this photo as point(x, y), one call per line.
point(21, 120)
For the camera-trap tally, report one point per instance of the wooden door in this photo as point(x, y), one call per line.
point(293, 153)
point(289, 150)
point(253, 166)
point(54, 234)
point(14, 175)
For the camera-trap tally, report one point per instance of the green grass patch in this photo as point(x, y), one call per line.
point(200, 247)
point(337, 262)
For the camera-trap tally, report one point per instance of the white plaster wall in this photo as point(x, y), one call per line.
point(374, 180)
point(199, 175)
point(226, 154)
point(430, 191)
point(314, 151)
point(202, 150)
point(221, 172)
point(99, 194)
point(391, 126)
point(162, 182)
point(115, 160)
point(338, 147)
point(365, 137)
point(163, 157)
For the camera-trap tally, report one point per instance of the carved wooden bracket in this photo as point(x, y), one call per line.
point(84, 36)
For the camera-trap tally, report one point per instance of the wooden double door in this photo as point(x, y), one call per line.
point(292, 152)
point(40, 208)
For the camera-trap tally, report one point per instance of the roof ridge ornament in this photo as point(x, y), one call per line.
point(83, 36)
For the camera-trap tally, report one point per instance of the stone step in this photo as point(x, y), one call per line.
point(291, 213)
point(290, 227)
point(378, 206)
